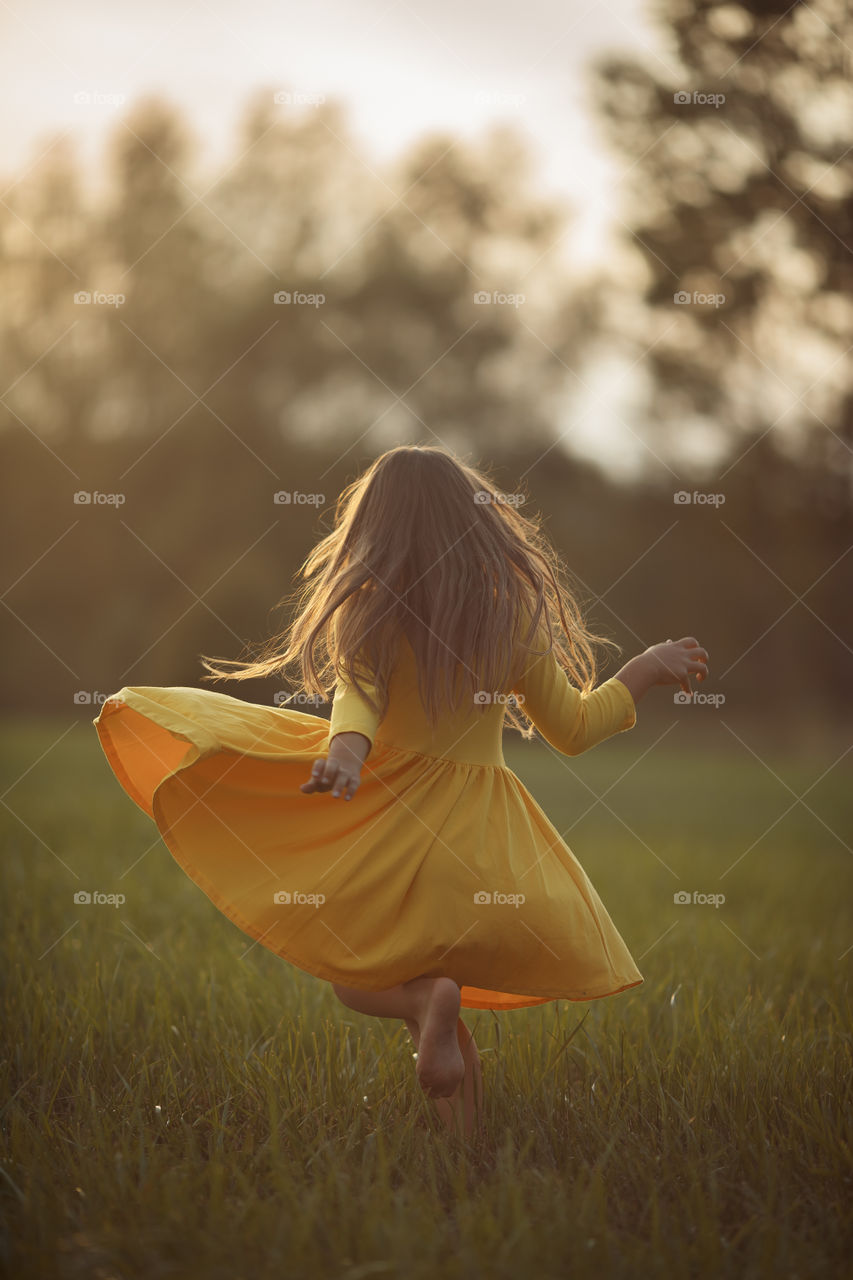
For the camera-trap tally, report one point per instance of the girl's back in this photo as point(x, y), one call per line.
point(473, 732)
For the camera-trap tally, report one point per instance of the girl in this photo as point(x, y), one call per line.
point(444, 885)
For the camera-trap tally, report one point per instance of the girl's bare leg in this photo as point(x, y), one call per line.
point(433, 1005)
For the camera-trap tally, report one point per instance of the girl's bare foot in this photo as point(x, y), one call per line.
point(462, 1111)
point(440, 1067)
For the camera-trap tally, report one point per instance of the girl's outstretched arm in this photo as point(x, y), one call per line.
point(672, 662)
point(573, 721)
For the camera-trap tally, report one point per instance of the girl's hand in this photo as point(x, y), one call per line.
point(676, 660)
point(335, 775)
point(341, 769)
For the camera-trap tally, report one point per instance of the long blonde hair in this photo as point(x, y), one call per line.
point(426, 545)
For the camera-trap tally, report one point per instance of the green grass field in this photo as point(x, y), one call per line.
point(180, 1103)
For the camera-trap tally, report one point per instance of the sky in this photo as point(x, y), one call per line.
point(402, 68)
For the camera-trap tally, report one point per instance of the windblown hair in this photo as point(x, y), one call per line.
point(427, 546)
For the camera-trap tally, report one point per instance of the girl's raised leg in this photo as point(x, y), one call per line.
point(433, 1005)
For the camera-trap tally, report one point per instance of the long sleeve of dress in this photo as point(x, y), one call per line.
point(350, 712)
point(570, 720)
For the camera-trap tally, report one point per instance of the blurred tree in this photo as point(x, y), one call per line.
point(45, 260)
point(739, 175)
point(200, 397)
point(459, 307)
point(731, 286)
point(154, 240)
point(188, 398)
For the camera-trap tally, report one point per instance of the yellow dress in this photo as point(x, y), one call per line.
point(441, 864)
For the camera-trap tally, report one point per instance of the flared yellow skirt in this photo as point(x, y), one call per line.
point(434, 868)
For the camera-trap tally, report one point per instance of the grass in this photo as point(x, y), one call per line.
point(180, 1103)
